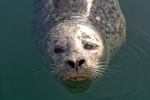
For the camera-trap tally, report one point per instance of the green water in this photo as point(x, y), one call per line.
point(24, 76)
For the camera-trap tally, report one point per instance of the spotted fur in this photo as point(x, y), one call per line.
point(104, 17)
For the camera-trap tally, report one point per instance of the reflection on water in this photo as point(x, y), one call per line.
point(77, 86)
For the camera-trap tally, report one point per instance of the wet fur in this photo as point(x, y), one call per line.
point(102, 16)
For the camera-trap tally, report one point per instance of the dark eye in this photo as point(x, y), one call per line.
point(58, 50)
point(88, 46)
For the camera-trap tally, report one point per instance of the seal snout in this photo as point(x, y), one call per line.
point(76, 64)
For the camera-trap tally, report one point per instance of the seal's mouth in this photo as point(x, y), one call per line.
point(78, 78)
point(66, 74)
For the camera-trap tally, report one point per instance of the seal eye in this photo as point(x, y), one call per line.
point(88, 46)
point(58, 50)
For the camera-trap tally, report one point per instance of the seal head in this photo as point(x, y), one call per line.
point(76, 49)
point(78, 35)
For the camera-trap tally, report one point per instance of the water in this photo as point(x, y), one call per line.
point(24, 76)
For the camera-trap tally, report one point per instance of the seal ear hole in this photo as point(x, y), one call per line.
point(88, 46)
point(58, 50)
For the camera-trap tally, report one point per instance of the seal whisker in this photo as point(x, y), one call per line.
point(56, 66)
point(54, 71)
point(88, 73)
point(112, 70)
point(92, 74)
point(102, 62)
point(86, 33)
point(97, 73)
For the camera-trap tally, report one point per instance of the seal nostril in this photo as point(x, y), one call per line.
point(71, 63)
point(81, 62)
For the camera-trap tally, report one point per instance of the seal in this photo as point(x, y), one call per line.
point(79, 36)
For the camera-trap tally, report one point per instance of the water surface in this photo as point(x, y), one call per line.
point(24, 76)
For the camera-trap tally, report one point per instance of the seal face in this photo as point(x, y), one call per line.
point(75, 49)
point(79, 36)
